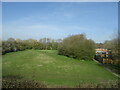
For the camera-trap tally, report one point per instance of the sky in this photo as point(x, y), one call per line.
point(24, 20)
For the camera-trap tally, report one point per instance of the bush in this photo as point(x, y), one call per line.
point(17, 83)
point(77, 46)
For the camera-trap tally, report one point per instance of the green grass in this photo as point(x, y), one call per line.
point(54, 70)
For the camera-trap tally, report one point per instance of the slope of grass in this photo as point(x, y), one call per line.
point(49, 68)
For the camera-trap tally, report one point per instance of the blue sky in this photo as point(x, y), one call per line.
point(24, 20)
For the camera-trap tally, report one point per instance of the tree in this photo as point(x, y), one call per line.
point(77, 46)
point(113, 45)
point(11, 40)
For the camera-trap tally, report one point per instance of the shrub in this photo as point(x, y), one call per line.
point(77, 46)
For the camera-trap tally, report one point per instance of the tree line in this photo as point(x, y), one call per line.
point(13, 45)
point(74, 46)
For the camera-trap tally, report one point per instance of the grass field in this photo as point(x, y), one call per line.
point(47, 67)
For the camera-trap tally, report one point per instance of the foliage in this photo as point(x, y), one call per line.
point(99, 45)
point(77, 46)
point(114, 46)
point(12, 45)
point(16, 83)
